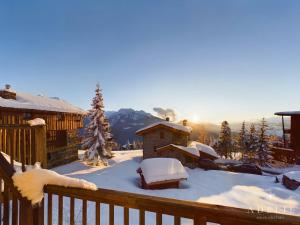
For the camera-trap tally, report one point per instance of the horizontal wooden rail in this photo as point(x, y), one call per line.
point(177, 208)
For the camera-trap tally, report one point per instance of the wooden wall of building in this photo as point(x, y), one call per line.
point(54, 121)
point(159, 138)
point(61, 131)
point(295, 134)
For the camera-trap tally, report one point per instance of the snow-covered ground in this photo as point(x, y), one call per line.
point(216, 187)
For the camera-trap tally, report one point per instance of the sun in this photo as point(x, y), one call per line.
point(195, 118)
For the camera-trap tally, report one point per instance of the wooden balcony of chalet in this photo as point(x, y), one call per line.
point(17, 210)
point(64, 205)
point(290, 149)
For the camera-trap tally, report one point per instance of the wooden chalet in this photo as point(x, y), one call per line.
point(170, 140)
point(161, 134)
point(290, 151)
point(61, 132)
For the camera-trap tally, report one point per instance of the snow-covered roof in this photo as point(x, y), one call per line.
point(288, 113)
point(189, 150)
point(28, 101)
point(9, 89)
point(203, 148)
point(293, 175)
point(162, 169)
point(174, 126)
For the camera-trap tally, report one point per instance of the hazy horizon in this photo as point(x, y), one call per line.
point(208, 60)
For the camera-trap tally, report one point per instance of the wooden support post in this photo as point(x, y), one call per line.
point(41, 145)
point(283, 135)
point(200, 221)
point(177, 220)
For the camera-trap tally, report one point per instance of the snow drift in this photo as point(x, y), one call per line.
point(32, 182)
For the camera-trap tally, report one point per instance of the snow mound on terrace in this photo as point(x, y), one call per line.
point(31, 183)
point(162, 169)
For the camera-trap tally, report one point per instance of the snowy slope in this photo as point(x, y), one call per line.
point(215, 187)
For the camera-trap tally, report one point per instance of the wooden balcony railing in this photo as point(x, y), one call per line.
point(283, 154)
point(24, 144)
point(72, 206)
point(199, 213)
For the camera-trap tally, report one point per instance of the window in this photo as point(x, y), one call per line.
point(27, 116)
point(162, 135)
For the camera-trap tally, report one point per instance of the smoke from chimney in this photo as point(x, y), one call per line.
point(165, 113)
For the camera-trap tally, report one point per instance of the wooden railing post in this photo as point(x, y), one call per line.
point(38, 214)
point(41, 145)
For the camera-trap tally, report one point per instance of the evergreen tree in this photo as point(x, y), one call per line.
point(252, 142)
point(242, 140)
point(263, 150)
point(225, 140)
point(97, 130)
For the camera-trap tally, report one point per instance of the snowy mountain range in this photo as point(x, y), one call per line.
point(125, 122)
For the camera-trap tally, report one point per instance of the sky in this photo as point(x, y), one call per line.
point(208, 60)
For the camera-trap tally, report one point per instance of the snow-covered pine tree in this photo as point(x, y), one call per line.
point(243, 140)
point(225, 140)
point(263, 150)
point(97, 130)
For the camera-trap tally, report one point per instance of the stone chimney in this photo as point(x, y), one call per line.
point(184, 122)
point(168, 119)
point(8, 93)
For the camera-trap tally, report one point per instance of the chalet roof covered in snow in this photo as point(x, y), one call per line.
point(162, 169)
point(194, 149)
point(203, 148)
point(42, 103)
point(166, 124)
point(288, 113)
point(188, 150)
point(293, 175)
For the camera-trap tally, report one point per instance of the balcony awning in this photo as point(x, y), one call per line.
point(288, 113)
